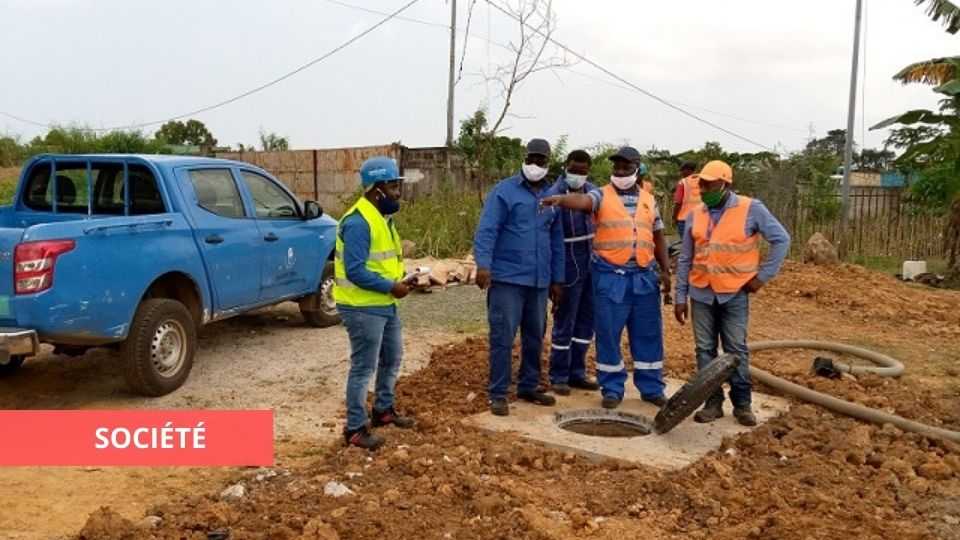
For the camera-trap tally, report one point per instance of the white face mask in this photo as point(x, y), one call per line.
point(576, 181)
point(533, 172)
point(624, 183)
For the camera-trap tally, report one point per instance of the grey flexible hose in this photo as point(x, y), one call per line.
point(888, 367)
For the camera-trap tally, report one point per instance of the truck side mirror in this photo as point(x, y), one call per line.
point(312, 210)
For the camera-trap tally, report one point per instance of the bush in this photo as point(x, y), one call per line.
point(441, 224)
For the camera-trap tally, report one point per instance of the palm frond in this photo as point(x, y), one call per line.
point(943, 9)
point(935, 71)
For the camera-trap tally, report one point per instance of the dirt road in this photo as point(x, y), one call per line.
point(267, 360)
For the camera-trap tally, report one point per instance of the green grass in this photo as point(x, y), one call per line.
point(894, 265)
point(442, 224)
point(8, 188)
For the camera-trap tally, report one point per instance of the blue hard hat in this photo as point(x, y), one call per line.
point(379, 169)
point(642, 169)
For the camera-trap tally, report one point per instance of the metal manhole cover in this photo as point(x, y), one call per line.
point(603, 423)
point(693, 394)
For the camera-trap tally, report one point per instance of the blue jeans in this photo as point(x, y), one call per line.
point(728, 322)
point(572, 332)
point(510, 307)
point(376, 344)
point(630, 300)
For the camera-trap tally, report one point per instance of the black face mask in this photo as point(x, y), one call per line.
point(387, 205)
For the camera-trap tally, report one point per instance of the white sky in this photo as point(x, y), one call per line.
point(773, 68)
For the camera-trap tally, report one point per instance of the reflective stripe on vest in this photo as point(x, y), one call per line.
point(691, 196)
point(727, 259)
point(576, 239)
point(384, 258)
point(620, 236)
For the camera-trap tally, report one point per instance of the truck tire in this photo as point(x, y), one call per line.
point(692, 395)
point(319, 309)
point(11, 366)
point(158, 352)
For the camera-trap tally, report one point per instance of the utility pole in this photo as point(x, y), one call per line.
point(848, 151)
point(453, 54)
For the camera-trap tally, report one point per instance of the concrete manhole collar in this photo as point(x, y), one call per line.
point(603, 423)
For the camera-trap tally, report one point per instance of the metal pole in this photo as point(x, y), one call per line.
point(453, 54)
point(848, 151)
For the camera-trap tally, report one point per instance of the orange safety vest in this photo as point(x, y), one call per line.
point(648, 186)
point(726, 259)
point(691, 196)
point(620, 236)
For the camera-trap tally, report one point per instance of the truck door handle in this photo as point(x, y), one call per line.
point(214, 239)
point(270, 237)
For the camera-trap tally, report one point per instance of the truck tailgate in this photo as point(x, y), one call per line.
point(9, 238)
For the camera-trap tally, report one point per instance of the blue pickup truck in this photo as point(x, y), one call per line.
point(138, 252)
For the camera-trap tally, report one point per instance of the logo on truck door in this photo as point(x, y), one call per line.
point(291, 258)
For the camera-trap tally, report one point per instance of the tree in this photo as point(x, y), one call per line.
point(931, 139)
point(271, 142)
point(193, 132)
point(833, 143)
point(492, 156)
point(871, 159)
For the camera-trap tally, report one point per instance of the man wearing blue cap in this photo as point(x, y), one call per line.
point(519, 251)
point(369, 281)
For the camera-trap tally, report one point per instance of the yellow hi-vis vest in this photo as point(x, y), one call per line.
point(385, 258)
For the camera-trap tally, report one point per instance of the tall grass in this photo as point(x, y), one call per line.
point(441, 224)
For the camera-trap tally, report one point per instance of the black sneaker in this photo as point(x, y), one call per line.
point(390, 416)
point(499, 407)
point(584, 384)
point(610, 402)
point(744, 416)
point(537, 397)
point(362, 438)
point(561, 389)
point(708, 414)
point(659, 401)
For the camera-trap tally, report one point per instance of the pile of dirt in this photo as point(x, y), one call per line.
point(862, 295)
point(806, 474)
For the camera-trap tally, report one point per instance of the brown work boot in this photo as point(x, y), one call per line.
point(362, 438)
point(390, 416)
point(708, 413)
point(745, 416)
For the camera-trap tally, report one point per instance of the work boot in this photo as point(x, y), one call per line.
point(659, 401)
point(709, 413)
point(561, 389)
point(745, 416)
point(538, 397)
point(499, 407)
point(610, 402)
point(390, 416)
point(362, 438)
point(584, 384)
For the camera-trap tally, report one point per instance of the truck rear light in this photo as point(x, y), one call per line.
point(34, 263)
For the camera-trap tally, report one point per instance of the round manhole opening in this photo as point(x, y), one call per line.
point(604, 423)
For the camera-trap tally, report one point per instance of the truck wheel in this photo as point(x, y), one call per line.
point(11, 366)
point(320, 309)
point(158, 352)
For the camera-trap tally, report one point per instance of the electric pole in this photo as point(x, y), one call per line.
point(848, 151)
point(450, 83)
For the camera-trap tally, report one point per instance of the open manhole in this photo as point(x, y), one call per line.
point(603, 423)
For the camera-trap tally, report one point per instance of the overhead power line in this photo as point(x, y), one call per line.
point(647, 93)
point(250, 92)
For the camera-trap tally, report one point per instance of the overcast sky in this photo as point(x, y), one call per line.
point(770, 70)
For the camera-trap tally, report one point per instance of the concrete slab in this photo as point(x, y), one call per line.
point(682, 446)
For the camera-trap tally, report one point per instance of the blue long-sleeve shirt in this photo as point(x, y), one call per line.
point(355, 233)
point(518, 240)
point(578, 232)
point(759, 220)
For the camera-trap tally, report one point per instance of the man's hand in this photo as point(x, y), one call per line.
point(400, 290)
point(553, 200)
point(753, 285)
point(666, 287)
point(483, 279)
point(680, 312)
point(556, 294)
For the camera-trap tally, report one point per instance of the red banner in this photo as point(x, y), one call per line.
point(136, 438)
